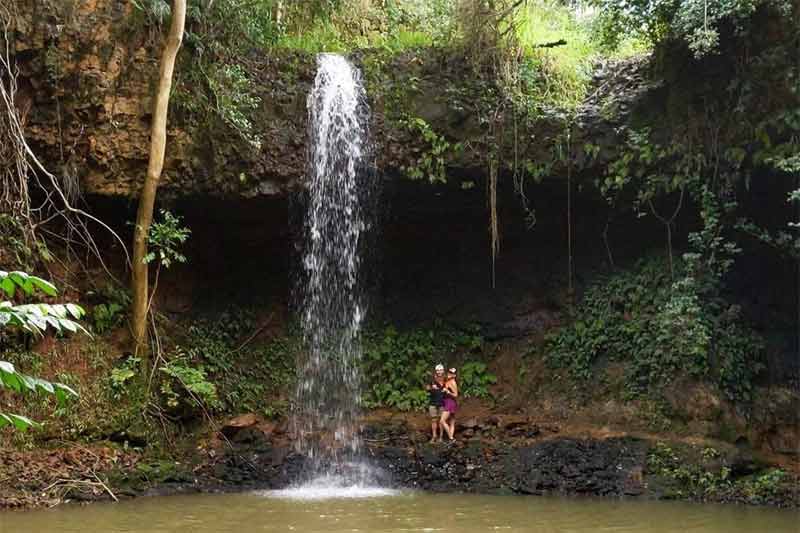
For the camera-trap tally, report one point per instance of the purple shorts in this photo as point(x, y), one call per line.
point(450, 405)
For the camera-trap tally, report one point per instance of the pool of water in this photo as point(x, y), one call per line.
point(384, 512)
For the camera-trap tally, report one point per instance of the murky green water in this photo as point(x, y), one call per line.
point(244, 513)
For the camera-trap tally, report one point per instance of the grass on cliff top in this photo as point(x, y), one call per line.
point(558, 75)
point(565, 69)
point(327, 37)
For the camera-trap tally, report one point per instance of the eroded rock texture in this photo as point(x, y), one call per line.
point(88, 67)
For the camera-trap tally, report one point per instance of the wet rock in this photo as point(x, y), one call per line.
point(579, 466)
point(512, 422)
point(469, 423)
point(238, 423)
point(743, 463)
point(248, 429)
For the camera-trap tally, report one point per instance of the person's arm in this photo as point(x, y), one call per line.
point(454, 389)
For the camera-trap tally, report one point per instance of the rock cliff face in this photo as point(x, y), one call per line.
point(88, 67)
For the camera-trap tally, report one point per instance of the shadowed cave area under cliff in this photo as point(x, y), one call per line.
point(429, 258)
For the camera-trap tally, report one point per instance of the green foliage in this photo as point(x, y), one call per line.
point(18, 247)
point(697, 23)
point(762, 487)
point(215, 92)
point(690, 479)
point(35, 319)
point(475, 379)
point(107, 316)
point(560, 73)
point(233, 100)
point(247, 377)
point(109, 312)
point(186, 378)
point(122, 377)
point(398, 364)
point(344, 25)
point(156, 12)
point(706, 476)
point(164, 240)
point(660, 329)
point(431, 163)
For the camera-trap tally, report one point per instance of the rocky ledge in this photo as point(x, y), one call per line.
point(515, 455)
point(494, 455)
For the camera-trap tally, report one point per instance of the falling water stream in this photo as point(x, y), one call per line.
point(332, 294)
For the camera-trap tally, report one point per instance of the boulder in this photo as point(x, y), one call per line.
point(241, 428)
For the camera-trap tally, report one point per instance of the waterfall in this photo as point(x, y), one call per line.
point(337, 216)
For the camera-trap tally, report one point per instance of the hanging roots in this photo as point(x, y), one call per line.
point(493, 226)
point(20, 169)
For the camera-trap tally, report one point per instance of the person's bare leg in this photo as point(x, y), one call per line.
point(434, 429)
point(443, 424)
point(448, 426)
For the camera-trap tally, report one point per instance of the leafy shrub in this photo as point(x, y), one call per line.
point(32, 318)
point(766, 485)
point(661, 329)
point(106, 316)
point(110, 312)
point(188, 384)
point(475, 379)
point(248, 377)
point(703, 478)
point(165, 239)
point(689, 479)
point(122, 376)
point(397, 365)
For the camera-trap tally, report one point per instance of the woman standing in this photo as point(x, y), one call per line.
point(450, 404)
point(435, 400)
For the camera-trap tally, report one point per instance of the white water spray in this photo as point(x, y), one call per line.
point(332, 294)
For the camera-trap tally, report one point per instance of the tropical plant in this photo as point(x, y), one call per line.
point(33, 318)
point(399, 364)
point(661, 329)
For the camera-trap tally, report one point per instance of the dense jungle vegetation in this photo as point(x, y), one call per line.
point(708, 167)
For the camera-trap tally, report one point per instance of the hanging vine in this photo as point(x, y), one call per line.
point(21, 172)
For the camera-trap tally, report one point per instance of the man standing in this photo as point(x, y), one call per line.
point(435, 401)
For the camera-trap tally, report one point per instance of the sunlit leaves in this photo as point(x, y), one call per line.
point(34, 318)
point(10, 282)
point(20, 383)
point(165, 238)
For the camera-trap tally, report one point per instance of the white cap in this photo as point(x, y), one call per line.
point(440, 367)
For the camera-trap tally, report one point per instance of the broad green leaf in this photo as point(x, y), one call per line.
point(46, 386)
point(58, 310)
point(69, 325)
point(8, 286)
point(75, 310)
point(27, 381)
point(21, 423)
point(22, 280)
point(65, 389)
point(44, 285)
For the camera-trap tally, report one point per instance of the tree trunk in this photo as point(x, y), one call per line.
point(144, 216)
